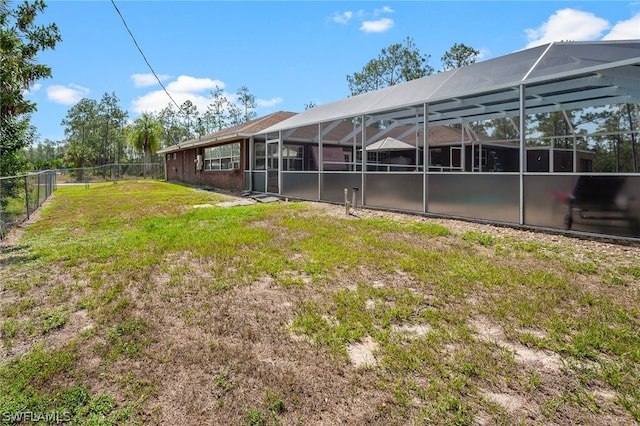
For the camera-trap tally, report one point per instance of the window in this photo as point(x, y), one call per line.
point(481, 158)
point(435, 157)
point(224, 157)
point(260, 155)
point(586, 165)
point(292, 157)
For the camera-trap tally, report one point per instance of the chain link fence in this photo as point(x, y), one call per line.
point(111, 173)
point(21, 195)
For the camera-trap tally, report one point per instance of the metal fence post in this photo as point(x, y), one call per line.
point(26, 194)
point(1, 221)
point(38, 192)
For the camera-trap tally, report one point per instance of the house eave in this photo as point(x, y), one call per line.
point(197, 143)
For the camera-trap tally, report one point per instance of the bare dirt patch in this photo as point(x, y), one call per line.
point(538, 358)
point(512, 403)
point(362, 354)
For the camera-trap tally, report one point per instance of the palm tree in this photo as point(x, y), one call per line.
point(145, 135)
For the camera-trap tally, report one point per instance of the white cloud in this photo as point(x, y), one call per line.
point(185, 83)
point(343, 18)
point(568, 25)
point(146, 80)
point(385, 9)
point(368, 20)
point(484, 53)
point(184, 88)
point(379, 26)
point(66, 95)
point(32, 89)
point(196, 90)
point(157, 100)
point(266, 103)
point(625, 30)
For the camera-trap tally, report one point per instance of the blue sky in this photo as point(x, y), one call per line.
point(287, 53)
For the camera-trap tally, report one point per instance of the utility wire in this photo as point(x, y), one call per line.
point(145, 58)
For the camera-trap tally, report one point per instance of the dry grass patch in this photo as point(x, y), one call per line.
point(156, 312)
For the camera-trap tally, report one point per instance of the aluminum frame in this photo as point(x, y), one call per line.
point(552, 78)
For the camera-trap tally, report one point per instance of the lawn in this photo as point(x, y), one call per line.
point(146, 303)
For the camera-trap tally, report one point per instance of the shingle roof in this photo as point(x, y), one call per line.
point(243, 130)
point(344, 133)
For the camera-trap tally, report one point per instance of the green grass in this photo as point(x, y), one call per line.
point(481, 238)
point(125, 339)
point(254, 308)
point(54, 318)
point(24, 395)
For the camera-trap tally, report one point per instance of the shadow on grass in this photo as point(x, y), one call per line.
point(12, 255)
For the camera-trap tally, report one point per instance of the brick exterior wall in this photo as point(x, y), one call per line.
point(182, 169)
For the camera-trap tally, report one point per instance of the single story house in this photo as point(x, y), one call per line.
point(219, 159)
point(465, 143)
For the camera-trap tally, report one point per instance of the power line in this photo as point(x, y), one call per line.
point(145, 58)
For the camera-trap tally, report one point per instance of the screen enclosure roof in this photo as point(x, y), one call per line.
point(556, 76)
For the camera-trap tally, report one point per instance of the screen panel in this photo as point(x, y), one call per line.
point(333, 185)
point(606, 204)
point(395, 191)
point(492, 197)
point(300, 184)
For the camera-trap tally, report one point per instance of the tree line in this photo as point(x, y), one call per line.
point(100, 132)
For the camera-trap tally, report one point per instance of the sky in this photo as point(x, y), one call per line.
point(288, 53)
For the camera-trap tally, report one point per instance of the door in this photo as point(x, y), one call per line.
point(272, 167)
point(456, 157)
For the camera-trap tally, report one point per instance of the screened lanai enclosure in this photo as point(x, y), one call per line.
point(545, 137)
